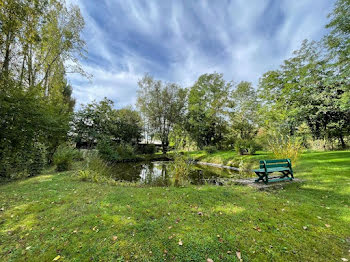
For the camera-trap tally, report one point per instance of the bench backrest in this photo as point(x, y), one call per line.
point(275, 163)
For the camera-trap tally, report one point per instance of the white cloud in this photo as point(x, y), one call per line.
point(180, 40)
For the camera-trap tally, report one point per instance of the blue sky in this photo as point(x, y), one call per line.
point(177, 41)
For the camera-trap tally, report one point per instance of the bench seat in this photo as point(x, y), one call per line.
point(271, 170)
point(267, 167)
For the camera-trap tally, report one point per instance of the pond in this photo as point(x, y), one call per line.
point(158, 173)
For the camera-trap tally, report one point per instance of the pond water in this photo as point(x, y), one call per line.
point(159, 173)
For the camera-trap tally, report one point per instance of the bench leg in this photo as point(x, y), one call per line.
point(261, 177)
point(286, 174)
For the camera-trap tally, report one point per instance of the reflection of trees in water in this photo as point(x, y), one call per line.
point(158, 173)
point(127, 171)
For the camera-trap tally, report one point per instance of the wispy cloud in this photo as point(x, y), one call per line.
point(180, 40)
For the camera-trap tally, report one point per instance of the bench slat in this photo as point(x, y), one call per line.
point(270, 170)
point(274, 160)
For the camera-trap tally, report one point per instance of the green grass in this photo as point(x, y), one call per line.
point(229, 158)
point(55, 214)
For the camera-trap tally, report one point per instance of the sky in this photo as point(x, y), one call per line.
point(177, 41)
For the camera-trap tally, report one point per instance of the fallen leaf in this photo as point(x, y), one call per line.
point(238, 254)
point(327, 225)
point(180, 242)
point(210, 260)
point(56, 258)
point(27, 248)
point(257, 229)
point(114, 238)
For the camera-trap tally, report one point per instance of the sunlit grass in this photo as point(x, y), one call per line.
point(56, 214)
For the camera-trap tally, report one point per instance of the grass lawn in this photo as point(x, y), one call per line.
point(57, 216)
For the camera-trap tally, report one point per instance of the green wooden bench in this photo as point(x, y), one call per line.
point(268, 167)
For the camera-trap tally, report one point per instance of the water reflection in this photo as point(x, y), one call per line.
point(159, 173)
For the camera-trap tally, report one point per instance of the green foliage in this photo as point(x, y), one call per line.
point(208, 102)
point(98, 120)
point(246, 147)
point(244, 116)
point(111, 151)
point(210, 149)
point(36, 40)
point(283, 147)
point(180, 170)
point(300, 93)
point(147, 149)
point(64, 156)
point(162, 105)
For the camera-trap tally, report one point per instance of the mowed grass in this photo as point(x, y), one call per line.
point(55, 214)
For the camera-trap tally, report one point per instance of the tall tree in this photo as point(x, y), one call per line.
point(244, 114)
point(208, 104)
point(163, 106)
point(40, 42)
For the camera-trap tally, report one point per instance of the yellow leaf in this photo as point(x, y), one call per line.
point(56, 258)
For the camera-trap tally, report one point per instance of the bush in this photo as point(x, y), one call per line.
point(210, 149)
point(147, 149)
point(246, 147)
point(98, 165)
point(28, 162)
point(63, 157)
point(286, 147)
point(180, 170)
point(39, 159)
point(111, 152)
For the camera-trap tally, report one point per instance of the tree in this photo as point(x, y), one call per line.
point(162, 104)
point(125, 126)
point(338, 42)
point(208, 105)
point(91, 122)
point(244, 115)
point(37, 38)
point(306, 90)
point(99, 120)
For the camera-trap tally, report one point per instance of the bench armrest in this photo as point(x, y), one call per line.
point(265, 168)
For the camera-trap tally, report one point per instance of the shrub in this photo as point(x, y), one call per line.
point(28, 162)
point(38, 159)
point(246, 147)
point(180, 170)
point(111, 152)
point(285, 147)
point(210, 149)
point(147, 149)
point(98, 165)
point(63, 157)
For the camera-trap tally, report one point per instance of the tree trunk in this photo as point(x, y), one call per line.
point(341, 140)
